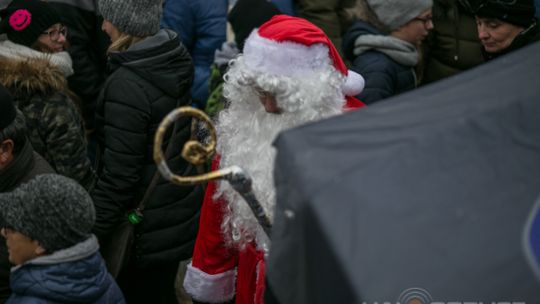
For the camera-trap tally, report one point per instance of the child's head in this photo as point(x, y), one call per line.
point(49, 213)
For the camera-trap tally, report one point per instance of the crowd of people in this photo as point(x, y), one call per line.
point(85, 84)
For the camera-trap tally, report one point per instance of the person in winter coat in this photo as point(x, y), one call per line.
point(289, 74)
point(87, 47)
point(382, 45)
point(150, 75)
point(452, 45)
point(286, 7)
point(18, 164)
point(505, 27)
point(46, 223)
point(201, 25)
point(329, 15)
point(33, 67)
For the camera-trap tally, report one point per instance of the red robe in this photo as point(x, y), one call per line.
point(218, 273)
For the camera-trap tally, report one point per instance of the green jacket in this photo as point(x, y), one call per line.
point(55, 126)
point(453, 45)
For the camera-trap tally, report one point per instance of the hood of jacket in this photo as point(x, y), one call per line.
point(160, 59)
point(26, 77)
point(363, 37)
point(73, 275)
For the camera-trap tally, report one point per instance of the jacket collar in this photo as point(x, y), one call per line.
point(15, 172)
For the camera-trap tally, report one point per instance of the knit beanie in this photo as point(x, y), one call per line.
point(52, 209)
point(395, 13)
point(139, 18)
point(7, 108)
point(247, 15)
point(518, 12)
point(25, 20)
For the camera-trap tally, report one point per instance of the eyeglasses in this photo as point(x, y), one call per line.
point(54, 34)
point(425, 20)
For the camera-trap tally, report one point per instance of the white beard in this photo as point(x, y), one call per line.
point(246, 131)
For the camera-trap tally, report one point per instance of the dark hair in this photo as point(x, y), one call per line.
point(15, 131)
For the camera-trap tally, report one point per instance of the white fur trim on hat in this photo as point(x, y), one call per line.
point(284, 58)
point(211, 288)
point(353, 85)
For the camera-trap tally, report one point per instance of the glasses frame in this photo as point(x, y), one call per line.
point(54, 34)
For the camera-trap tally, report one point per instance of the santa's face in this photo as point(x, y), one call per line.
point(262, 106)
point(268, 100)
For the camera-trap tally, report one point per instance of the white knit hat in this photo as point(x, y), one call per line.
point(395, 13)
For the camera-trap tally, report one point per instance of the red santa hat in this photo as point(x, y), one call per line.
point(292, 46)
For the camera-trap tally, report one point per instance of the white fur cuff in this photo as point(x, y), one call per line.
point(211, 288)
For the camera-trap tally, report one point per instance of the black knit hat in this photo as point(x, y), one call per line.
point(7, 108)
point(52, 209)
point(247, 15)
point(25, 20)
point(518, 12)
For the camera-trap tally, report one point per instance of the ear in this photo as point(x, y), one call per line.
point(39, 251)
point(6, 152)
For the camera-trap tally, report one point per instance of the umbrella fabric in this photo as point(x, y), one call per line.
point(427, 195)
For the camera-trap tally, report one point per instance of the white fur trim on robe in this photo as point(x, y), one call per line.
point(210, 288)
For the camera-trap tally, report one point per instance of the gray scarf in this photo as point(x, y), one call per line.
point(400, 51)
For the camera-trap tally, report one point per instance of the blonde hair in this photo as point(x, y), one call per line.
point(123, 42)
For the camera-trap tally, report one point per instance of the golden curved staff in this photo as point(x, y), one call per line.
point(197, 154)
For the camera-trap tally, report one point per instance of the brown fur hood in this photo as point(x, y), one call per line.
point(30, 76)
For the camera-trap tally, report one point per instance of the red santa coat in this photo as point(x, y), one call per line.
point(217, 273)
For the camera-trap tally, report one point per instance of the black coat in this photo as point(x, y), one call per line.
point(384, 76)
point(147, 82)
point(87, 46)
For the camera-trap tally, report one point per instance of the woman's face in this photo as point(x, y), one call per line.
point(53, 40)
point(417, 29)
point(496, 35)
point(111, 30)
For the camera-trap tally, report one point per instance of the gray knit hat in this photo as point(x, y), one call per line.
point(139, 18)
point(52, 209)
point(395, 13)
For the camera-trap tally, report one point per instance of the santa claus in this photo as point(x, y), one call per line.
point(289, 74)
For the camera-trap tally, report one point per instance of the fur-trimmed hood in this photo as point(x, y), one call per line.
point(31, 76)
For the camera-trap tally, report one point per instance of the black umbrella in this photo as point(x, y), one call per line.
point(429, 195)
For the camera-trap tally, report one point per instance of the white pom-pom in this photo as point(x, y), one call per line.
point(353, 85)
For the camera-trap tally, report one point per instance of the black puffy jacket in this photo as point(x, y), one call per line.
point(148, 81)
point(87, 46)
